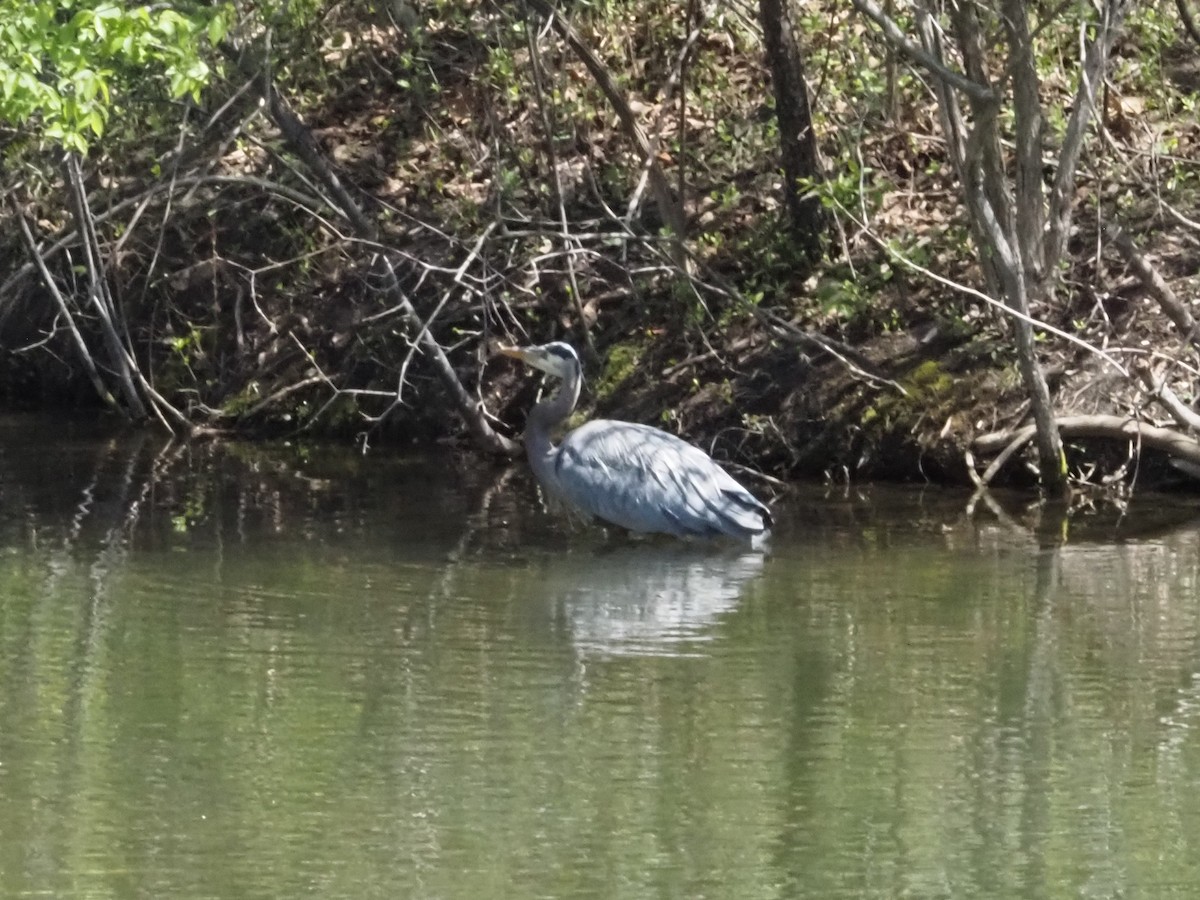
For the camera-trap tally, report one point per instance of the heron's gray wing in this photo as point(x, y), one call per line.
point(644, 479)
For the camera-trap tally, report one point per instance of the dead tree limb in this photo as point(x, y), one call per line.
point(81, 347)
point(1162, 393)
point(299, 139)
point(1172, 306)
point(982, 481)
point(98, 294)
point(669, 206)
point(1121, 428)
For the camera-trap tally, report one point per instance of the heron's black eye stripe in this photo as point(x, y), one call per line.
point(561, 351)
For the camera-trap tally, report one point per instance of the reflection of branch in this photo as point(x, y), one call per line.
point(479, 522)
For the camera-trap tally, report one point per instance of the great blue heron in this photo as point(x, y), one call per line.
point(634, 476)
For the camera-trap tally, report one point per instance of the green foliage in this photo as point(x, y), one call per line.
point(63, 65)
point(621, 362)
point(849, 187)
point(843, 297)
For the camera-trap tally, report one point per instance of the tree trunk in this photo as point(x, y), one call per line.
point(797, 140)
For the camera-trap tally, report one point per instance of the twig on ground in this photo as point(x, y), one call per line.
point(1175, 310)
point(1160, 391)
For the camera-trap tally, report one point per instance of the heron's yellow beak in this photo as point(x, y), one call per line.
point(531, 356)
point(515, 353)
point(538, 358)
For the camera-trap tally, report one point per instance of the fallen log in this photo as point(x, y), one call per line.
point(1121, 428)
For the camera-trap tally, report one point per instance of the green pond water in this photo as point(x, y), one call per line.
point(275, 672)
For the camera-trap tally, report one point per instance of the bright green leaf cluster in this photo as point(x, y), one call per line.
point(62, 61)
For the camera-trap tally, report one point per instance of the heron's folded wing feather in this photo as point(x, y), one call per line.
point(644, 479)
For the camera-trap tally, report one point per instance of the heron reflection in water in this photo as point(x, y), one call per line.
point(642, 598)
point(634, 476)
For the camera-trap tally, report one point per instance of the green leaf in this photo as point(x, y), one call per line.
point(63, 64)
point(216, 29)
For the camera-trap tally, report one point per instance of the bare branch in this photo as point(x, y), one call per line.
point(1108, 427)
point(71, 238)
point(948, 108)
point(896, 37)
point(1003, 457)
point(97, 289)
point(1159, 390)
point(990, 301)
point(1095, 63)
point(1027, 106)
point(1175, 310)
point(85, 355)
point(666, 94)
point(669, 207)
point(424, 329)
point(300, 140)
point(543, 103)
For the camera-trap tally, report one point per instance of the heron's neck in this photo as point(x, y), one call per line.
point(542, 418)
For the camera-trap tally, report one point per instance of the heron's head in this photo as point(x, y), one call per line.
point(557, 359)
